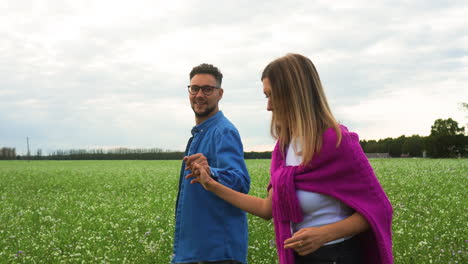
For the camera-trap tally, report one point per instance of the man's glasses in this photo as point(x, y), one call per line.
point(206, 89)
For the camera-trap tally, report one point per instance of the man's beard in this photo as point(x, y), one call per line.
point(205, 113)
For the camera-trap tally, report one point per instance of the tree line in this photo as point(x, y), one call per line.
point(123, 154)
point(446, 140)
point(7, 153)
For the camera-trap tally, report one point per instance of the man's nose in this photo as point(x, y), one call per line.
point(200, 93)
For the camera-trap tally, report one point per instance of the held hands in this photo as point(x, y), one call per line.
point(200, 168)
point(306, 240)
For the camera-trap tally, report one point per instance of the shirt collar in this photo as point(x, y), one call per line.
point(207, 123)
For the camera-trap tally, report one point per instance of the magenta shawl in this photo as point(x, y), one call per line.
point(343, 173)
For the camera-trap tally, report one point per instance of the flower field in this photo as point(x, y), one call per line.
point(123, 211)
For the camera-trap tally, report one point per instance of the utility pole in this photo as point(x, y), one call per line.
point(27, 143)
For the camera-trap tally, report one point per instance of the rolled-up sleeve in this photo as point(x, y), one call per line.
point(229, 168)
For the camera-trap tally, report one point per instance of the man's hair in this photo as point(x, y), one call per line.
point(205, 68)
point(300, 109)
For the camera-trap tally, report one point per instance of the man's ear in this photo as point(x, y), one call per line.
point(221, 91)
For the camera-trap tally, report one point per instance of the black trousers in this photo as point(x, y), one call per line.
point(346, 252)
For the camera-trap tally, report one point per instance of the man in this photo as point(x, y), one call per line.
point(208, 229)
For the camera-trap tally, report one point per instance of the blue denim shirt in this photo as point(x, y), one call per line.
point(208, 228)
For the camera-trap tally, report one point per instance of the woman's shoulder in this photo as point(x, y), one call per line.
point(331, 131)
point(332, 142)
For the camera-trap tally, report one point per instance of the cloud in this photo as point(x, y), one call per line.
point(114, 73)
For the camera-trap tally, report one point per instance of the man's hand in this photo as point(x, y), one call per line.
point(198, 158)
point(306, 240)
point(200, 168)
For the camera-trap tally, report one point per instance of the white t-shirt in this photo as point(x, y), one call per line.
point(318, 209)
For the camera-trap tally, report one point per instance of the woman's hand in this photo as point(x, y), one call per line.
point(198, 158)
point(306, 240)
point(309, 239)
point(200, 168)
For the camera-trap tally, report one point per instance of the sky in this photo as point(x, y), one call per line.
point(106, 74)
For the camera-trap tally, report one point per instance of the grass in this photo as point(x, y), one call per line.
point(123, 211)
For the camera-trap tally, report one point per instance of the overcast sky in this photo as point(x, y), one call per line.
point(92, 74)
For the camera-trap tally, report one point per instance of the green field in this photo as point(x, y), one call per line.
point(123, 211)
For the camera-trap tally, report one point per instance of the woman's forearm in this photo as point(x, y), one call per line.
point(254, 205)
point(251, 204)
point(350, 226)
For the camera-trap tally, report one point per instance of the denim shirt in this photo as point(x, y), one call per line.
point(208, 228)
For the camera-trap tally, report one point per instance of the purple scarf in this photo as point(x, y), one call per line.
point(343, 173)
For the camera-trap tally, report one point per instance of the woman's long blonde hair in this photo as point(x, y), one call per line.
point(300, 108)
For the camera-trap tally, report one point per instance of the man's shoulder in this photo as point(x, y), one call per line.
point(224, 125)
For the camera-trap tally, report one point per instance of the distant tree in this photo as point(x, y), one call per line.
point(414, 146)
point(370, 146)
point(396, 146)
point(7, 153)
point(447, 139)
point(393, 146)
point(446, 127)
point(257, 155)
point(465, 107)
point(384, 145)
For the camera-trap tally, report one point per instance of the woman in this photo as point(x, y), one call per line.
point(326, 203)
